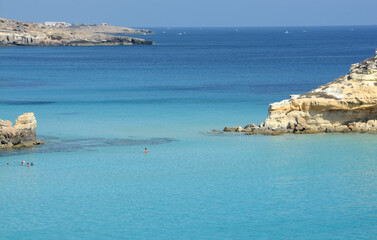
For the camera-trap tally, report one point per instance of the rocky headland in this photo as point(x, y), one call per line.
point(108, 29)
point(347, 104)
point(17, 33)
point(22, 134)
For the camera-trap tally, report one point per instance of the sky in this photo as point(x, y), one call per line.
point(195, 13)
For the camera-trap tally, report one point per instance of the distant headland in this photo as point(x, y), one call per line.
point(17, 33)
point(348, 104)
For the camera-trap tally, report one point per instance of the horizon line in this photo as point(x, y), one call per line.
point(272, 26)
point(234, 26)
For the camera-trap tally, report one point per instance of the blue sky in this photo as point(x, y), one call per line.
point(195, 13)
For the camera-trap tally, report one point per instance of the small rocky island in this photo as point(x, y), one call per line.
point(22, 134)
point(17, 33)
point(348, 104)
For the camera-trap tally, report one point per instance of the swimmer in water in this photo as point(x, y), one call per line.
point(23, 163)
point(31, 164)
point(7, 164)
point(28, 164)
point(145, 150)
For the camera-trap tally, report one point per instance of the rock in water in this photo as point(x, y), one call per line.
point(22, 134)
point(348, 104)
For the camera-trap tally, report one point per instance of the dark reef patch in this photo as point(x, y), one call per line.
point(6, 102)
point(55, 144)
point(23, 83)
point(69, 113)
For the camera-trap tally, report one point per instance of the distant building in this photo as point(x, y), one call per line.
point(103, 24)
point(58, 24)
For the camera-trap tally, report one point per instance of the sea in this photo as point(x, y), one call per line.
point(99, 107)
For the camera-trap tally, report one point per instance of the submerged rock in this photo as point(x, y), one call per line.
point(22, 134)
point(348, 104)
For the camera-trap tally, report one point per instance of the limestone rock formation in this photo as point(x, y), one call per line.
point(17, 33)
point(22, 134)
point(348, 104)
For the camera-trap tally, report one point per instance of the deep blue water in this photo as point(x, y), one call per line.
point(98, 107)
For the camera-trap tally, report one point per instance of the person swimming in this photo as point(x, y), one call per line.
point(7, 164)
point(23, 163)
point(28, 164)
point(145, 150)
point(31, 164)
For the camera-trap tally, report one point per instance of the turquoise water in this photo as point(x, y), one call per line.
point(98, 107)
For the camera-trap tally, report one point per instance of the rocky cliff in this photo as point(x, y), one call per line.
point(108, 29)
point(22, 134)
point(17, 33)
point(348, 104)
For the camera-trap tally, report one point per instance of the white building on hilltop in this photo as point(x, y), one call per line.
point(58, 24)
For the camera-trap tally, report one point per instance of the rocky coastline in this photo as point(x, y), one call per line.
point(17, 33)
point(22, 134)
point(347, 104)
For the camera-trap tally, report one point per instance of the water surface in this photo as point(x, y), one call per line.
point(98, 107)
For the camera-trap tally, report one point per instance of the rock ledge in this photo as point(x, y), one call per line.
point(22, 134)
point(348, 104)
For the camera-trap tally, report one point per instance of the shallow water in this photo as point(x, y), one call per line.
point(98, 107)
